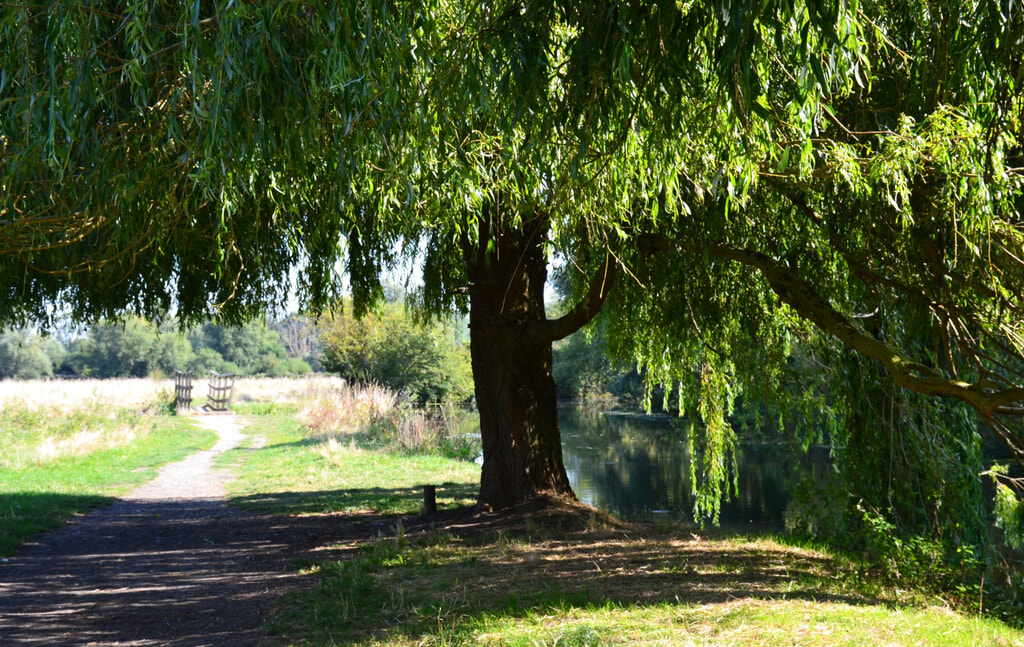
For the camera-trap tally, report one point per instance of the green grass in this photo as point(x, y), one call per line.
point(533, 582)
point(595, 587)
point(283, 471)
point(56, 463)
point(743, 622)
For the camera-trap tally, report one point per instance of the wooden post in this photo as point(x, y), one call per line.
point(222, 387)
point(182, 390)
point(429, 499)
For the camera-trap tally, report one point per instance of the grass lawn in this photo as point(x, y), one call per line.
point(281, 469)
point(593, 585)
point(559, 574)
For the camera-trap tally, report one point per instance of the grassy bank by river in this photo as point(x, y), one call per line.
point(554, 573)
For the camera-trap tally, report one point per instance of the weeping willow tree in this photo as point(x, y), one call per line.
point(718, 176)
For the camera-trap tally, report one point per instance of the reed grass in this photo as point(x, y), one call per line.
point(377, 417)
point(61, 396)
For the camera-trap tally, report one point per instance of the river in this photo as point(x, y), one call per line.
point(639, 466)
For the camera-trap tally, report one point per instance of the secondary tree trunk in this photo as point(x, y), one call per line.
point(510, 343)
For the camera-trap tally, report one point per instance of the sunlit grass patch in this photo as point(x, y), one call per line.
point(84, 441)
point(43, 436)
point(40, 435)
point(283, 470)
point(782, 623)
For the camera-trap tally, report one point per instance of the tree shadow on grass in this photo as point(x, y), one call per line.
point(174, 572)
point(25, 514)
point(191, 572)
point(358, 501)
point(455, 569)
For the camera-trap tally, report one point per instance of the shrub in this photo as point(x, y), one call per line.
point(423, 361)
point(378, 416)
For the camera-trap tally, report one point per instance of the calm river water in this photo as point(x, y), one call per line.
point(634, 465)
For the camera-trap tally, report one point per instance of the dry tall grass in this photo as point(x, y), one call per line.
point(281, 390)
point(68, 395)
point(337, 409)
point(381, 416)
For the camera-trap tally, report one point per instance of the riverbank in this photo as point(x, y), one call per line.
point(554, 572)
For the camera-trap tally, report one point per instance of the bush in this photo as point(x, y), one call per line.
point(390, 348)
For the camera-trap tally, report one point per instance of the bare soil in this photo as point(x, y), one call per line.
point(170, 564)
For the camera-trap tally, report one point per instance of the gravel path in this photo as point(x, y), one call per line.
point(170, 564)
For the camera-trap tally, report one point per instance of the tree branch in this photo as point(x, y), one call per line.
point(795, 291)
point(547, 331)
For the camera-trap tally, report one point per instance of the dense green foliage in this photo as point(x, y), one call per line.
point(583, 370)
point(423, 360)
point(27, 356)
point(134, 348)
point(248, 349)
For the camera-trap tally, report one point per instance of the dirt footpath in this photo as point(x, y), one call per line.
point(171, 564)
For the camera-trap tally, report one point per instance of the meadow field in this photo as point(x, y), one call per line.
point(555, 574)
point(140, 393)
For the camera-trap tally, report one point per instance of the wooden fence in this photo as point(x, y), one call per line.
point(222, 390)
point(183, 390)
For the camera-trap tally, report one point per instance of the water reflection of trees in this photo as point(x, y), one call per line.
point(638, 464)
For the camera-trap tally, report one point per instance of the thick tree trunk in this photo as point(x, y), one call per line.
point(510, 343)
point(515, 392)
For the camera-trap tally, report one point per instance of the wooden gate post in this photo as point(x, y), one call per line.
point(222, 386)
point(429, 499)
point(183, 390)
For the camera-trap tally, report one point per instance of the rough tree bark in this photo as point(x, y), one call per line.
point(510, 344)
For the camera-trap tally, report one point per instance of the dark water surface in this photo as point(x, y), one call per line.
point(639, 466)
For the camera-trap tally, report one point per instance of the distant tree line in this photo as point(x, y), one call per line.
point(430, 362)
point(139, 348)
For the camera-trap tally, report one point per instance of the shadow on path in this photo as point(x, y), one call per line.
point(172, 564)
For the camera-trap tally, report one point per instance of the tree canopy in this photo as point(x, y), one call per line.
point(717, 175)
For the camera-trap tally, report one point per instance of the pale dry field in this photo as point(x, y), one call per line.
point(76, 394)
point(276, 389)
point(139, 393)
